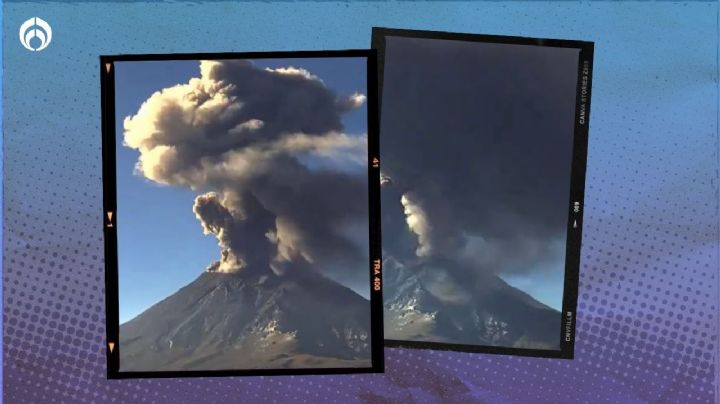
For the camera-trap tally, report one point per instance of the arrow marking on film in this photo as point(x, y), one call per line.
point(107, 67)
point(109, 215)
point(575, 224)
point(111, 345)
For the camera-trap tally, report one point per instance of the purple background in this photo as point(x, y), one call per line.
point(648, 310)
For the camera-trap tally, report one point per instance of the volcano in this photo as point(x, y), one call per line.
point(494, 314)
point(253, 319)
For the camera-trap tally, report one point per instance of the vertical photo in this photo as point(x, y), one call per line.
point(241, 214)
point(483, 142)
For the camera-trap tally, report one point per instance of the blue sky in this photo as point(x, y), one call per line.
point(544, 281)
point(161, 247)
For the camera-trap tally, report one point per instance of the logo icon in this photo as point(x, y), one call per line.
point(35, 28)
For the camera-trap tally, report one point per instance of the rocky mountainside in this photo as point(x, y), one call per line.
point(248, 320)
point(495, 313)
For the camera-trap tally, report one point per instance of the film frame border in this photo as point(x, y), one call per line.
point(109, 214)
point(577, 182)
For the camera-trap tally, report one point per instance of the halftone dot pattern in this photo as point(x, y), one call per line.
point(647, 320)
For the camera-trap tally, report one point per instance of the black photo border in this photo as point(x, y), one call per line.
point(566, 333)
point(107, 98)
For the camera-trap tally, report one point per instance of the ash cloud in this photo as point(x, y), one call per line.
point(240, 234)
point(417, 222)
point(242, 136)
point(477, 139)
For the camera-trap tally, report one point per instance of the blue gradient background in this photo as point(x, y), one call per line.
point(648, 304)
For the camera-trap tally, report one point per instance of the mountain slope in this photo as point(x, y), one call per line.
point(494, 314)
point(251, 319)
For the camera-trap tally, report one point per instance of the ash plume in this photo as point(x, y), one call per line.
point(479, 151)
point(279, 179)
point(417, 222)
point(240, 233)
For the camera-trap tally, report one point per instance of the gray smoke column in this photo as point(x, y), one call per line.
point(242, 136)
point(240, 234)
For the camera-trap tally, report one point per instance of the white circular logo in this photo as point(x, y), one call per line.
point(35, 28)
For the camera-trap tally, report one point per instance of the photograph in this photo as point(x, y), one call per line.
point(483, 145)
point(241, 219)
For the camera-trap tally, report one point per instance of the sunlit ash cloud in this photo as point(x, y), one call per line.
point(417, 222)
point(237, 135)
